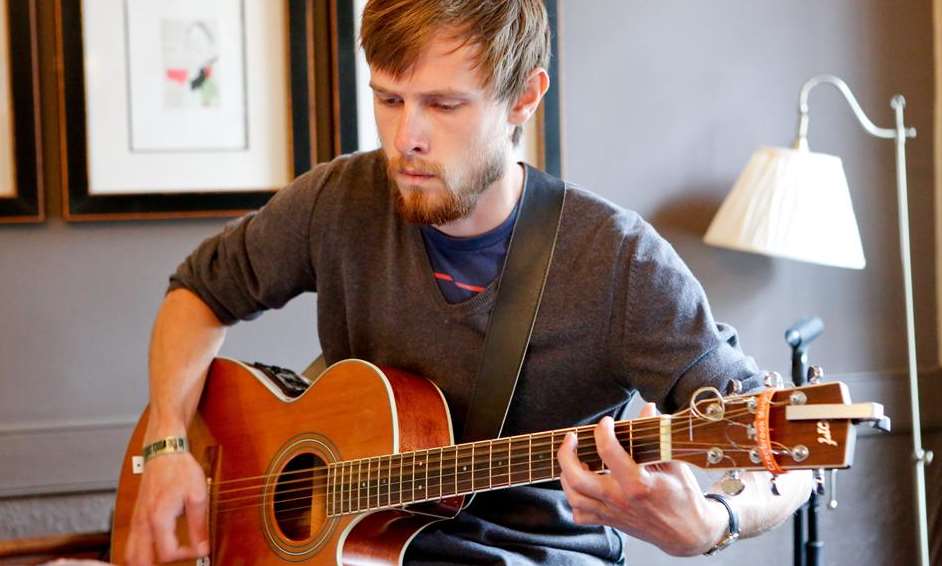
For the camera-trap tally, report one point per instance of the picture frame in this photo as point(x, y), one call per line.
point(181, 109)
point(21, 175)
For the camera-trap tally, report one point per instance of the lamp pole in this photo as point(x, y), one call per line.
point(921, 457)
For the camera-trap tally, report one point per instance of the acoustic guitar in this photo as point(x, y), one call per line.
point(349, 467)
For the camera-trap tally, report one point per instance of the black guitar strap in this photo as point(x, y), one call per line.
point(519, 291)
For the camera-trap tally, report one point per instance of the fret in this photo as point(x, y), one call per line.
point(369, 477)
point(631, 440)
point(504, 466)
point(344, 488)
point(438, 471)
point(481, 468)
point(412, 479)
point(449, 471)
point(473, 487)
point(518, 463)
point(530, 458)
point(379, 480)
point(359, 483)
point(389, 480)
point(330, 491)
point(399, 476)
point(552, 450)
point(465, 472)
point(419, 482)
point(490, 464)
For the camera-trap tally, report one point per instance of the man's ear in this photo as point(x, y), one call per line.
point(529, 100)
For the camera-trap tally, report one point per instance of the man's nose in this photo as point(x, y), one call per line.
point(411, 136)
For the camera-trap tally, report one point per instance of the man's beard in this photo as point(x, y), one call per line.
point(454, 200)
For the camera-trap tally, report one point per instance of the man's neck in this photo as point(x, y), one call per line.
point(493, 207)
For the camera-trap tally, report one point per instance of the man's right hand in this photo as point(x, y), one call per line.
point(172, 484)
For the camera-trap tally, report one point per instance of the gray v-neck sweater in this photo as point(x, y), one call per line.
point(621, 313)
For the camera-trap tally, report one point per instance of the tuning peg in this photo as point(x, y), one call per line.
point(815, 373)
point(732, 483)
point(774, 380)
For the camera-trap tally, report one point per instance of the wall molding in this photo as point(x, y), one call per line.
point(46, 457)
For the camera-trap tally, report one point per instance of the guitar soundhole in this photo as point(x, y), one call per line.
point(294, 497)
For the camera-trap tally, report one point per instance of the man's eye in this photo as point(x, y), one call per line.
point(389, 101)
point(445, 106)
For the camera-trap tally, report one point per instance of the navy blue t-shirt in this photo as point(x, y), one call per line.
point(465, 267)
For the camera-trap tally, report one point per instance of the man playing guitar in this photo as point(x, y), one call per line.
point(404, 248)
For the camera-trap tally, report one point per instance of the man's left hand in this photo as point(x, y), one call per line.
point(661, 503)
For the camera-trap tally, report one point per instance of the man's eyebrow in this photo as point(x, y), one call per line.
point(443, 93)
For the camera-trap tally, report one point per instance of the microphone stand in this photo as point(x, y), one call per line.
point(807, 551)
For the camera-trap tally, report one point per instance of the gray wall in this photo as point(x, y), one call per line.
point(663, 102)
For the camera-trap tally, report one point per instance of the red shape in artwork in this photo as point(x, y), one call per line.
point(177, 75)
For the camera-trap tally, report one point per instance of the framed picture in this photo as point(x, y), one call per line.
point(180, 108)
point(21, 180)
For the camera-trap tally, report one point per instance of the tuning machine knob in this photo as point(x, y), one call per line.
point(773, 379)
point(815, 374)
point(732, 483)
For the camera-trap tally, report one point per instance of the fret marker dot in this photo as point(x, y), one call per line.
point(464, 468)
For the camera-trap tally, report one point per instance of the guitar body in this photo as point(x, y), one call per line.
point(261, 447)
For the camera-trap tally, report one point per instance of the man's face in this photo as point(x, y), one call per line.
point(445, 137)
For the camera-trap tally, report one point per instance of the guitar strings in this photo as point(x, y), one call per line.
point(393, 497)
point(679, 421)
point(532, 468)
point(320, 473)
point(446, 463)
point(287, 513)
point(347, 488)
point(353, 504)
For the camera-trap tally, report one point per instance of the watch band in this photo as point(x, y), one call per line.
point(168, 445)
point(733, 529)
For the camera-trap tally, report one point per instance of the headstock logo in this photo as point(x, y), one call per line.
point(824, 434)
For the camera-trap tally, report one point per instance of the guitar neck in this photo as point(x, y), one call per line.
point(394, 480)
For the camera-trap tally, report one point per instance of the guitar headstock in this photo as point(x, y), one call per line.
point(795, 428)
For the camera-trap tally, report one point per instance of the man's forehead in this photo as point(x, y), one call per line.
point(446, 63)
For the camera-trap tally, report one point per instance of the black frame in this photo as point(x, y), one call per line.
point(552, 142)
point(312, 48)
point(27, 204)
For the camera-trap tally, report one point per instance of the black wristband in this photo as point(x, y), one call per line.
point(733, 533)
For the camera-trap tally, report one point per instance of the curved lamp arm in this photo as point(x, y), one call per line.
point(898, 103)
point(921, 457)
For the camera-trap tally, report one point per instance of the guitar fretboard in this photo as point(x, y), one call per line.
point(429, 475)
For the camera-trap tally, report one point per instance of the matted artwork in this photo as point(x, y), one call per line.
point(20, 162)
point(183, 108)
point(186, 75)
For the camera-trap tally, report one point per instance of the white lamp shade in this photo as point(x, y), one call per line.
point(791, 203)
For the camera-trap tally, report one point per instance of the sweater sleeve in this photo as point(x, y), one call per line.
point(261, 260)
point(669, 345)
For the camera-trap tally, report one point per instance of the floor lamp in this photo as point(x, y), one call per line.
point(795, 203)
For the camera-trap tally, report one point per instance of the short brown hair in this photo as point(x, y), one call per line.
point(512, 36)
